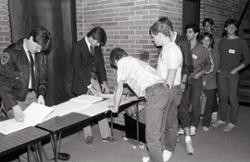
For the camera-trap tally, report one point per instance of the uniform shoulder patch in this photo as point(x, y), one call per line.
point(5, 57)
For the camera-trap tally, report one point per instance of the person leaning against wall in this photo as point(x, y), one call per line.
point(89, 75)
point(23, 73)
point(234, 56)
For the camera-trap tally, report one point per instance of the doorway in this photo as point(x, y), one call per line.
point(191, 13)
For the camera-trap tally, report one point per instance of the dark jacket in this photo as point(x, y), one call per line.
point(14, 74)
point(82, 62)
point(182, 42)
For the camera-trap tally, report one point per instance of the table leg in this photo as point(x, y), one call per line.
point(28, 153)
point(111, 123)
point(54, 145)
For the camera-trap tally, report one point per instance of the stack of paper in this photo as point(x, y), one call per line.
point(66, 108)
point(33, 115)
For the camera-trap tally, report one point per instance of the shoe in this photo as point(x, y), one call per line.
point(192, 130)
point(229, 127)
point(109, 139)
point(145, 159)
point(63, 156)
point(218, 123)
point(180, 132)
point(214, 117)
point(189, 147)
point(205, 129)
point(89, 140)
point(166, 155)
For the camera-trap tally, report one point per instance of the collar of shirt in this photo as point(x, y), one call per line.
point(88, 43)
point(27, 52)
point(175, 36)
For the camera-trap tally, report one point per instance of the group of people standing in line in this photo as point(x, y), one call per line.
point(187, 67)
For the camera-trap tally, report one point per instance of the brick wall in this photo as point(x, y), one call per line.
point(127, 24)
point(5, 36)
point(220, 11)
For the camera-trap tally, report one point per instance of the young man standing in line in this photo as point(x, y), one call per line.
point(169, 68)
point(234, 56)
point(192, 94)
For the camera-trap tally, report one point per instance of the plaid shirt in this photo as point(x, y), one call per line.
point(137, 74)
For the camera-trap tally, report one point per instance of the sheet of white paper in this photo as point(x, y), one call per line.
point(11, 125)
point(35, 113)
point(102, 106)
point(66, 108)
point(97, 108)
point(87, 99)
point(106, 96)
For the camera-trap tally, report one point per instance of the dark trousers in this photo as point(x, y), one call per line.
point(158, 101)
point(210, 104)
point(191, 96)
point(172, 121)
point(228, 86)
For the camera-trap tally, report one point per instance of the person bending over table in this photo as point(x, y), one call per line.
point(145, 82)
point(23, 72)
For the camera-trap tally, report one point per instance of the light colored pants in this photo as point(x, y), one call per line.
point(103, 126)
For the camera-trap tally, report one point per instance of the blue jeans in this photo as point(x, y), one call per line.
point(228, 86)
point(171, 127)
point(210, 104)
point(157, 106)
point(191, 96)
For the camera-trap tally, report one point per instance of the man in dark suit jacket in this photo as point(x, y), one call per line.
point(89, 74)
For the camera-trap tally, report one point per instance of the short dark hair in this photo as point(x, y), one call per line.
point(210, 36)
point(194, 27)
point(116, 54)
point(209, 20)
point(159, 27)
point(42, 36)
point(166, 21)
point(99, 34)
point(230, 22)
point(227, 23)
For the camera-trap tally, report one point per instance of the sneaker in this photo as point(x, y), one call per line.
point(109, 139)
point(192, 130)
point(218, 123)
point(89, 140)
point(229, 127)
point(166, 155)
point(145, 159)
point(180, 132)
point(189, 147)
point(214, 117)
point(205, 129)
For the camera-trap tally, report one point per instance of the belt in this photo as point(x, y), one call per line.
point(30, 90)
point(157, 85)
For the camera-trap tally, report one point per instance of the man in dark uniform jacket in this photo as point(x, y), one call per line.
point(23, 71)
point(89, 74)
